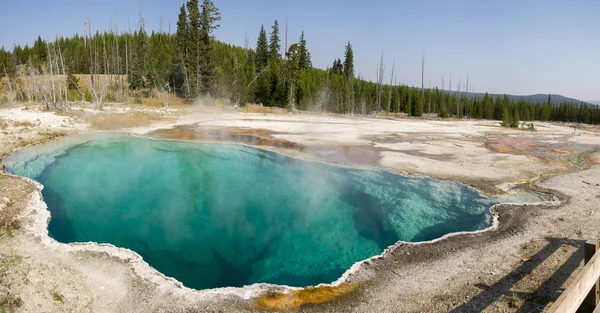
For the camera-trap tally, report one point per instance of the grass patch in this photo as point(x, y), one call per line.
point(77, 114)
point(23, 124)
point(137, 100)
point(58, 297)
point(255, 108)
point(123, 120)
point(514, 301)
point(9, 303)
point(292, 301)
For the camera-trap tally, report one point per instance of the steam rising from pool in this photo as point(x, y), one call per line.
point(215, 215)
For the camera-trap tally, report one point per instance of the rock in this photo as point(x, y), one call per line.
point(4, 202)
point(1, 167)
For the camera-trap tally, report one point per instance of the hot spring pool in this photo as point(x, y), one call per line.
point(215, 215)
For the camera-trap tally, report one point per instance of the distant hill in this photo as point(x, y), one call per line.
point(556, 99)
point(596, 102)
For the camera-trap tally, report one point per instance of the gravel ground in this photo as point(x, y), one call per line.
point(518, 266)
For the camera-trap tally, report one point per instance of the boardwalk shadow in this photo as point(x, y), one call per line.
point(535, 301)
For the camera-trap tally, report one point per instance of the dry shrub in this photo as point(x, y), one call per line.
point(9, 217)
point(23, 124)
point(78, 115)
point(9, 302)
point(292, 301)
point(255, 108)
point(114, 121)
point(155, 102)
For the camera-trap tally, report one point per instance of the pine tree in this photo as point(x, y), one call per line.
point(349, 62)
point(262, 88)
point(408, 105)
point(303, 54)
point(292, 72)
point(209, 18)
point(277, 94)
point(514, 123)
point(274, 43)
point(488, 106)
point(506, 118)
point(38, 53)
point(349, 76)
point(139, 69)
point(444, 111)
point(72, 81)
point(417, 104)
point(182, 57)
point(337, 68)
point(193, 48)
point(262, 50)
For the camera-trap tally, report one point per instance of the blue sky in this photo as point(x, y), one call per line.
point(517, 47)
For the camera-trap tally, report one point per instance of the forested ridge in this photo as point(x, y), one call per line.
point(193, 63)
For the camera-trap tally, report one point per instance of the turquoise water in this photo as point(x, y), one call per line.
point(215, 215)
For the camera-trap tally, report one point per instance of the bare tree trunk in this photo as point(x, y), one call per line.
point(449, 91)
point(458, 101)
point(10, 88)
point(422, 81)
point(443, 100)
point(467, 94)
point(105, 57)
point(291, 97)
point(119, 72)
point(397, 96)
point(166, 98)
point(27, 82)
point(64, 71)
point(126, 57)
point(389, 102)
point(380, 75)
point(363, 104)
point(429, 102)
point(57, 103)
point(49, 61)
point(350, 96)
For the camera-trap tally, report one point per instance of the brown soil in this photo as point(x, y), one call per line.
point(252, 137)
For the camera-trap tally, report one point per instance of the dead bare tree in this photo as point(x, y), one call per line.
point(64, 70)
point(380, 75)
point(11, 95)
point(363, 109)
point(119, 70)
point(28, 88)
point(389, 102)
point(458, 95)
point(98, 90)
point(162, 92)
point(422, 80)
point(467, 95)
point(258, 75)
point(449, 91)
point(397, 95)
point(443, 100)
point(51, 63)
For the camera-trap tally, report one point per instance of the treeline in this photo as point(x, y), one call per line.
point(192, 63)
